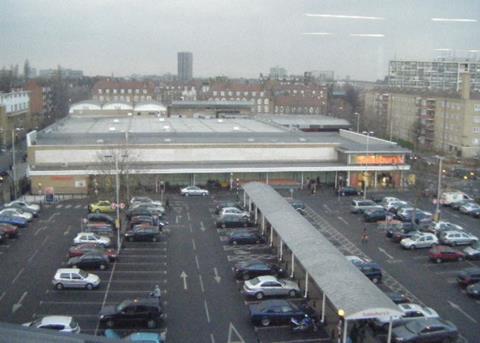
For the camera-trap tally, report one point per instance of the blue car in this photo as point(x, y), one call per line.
point(245, 237)
point(17, 221)
point(275, 312)
point(151, 337)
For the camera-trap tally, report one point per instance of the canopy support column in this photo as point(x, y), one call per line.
point(293, 265)
point(306, 285)
point(344, 336)
point(389, 337)
point(281, 250)
point(324, 301)
point(271, 236)
point(263, 224)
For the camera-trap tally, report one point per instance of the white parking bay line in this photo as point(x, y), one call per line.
point(151, 282)
point(80, 303)
point(78, 206)
point(144, 256)
point(59, 206)
point(136, 271)
point(68, 206)
point(74, 315)
point(120, 263)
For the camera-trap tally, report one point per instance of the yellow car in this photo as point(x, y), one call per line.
point(102, 206)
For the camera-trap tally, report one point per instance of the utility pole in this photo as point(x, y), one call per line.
point(439, 188)
point(117, 191)
point(14, 169)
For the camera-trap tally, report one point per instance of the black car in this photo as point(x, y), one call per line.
point(398, 235)
point(154, 221)
point(143, 233)
point(407, 226)
point(475, 213)
point(246, 270)
point(398, 298)
point(245, 237)
point(374, 214)
point(89, 261)
point(228, 220)
point(299, 206)
point(100, 218)
point(276, 312)
point(132, 311)
point(139, 211)
point(425, 330)
point(344, 191)
point(474, 290)
point(468, 276)
point(224, 204)
point(102, 229)
point(376, 197)
point(370, 270)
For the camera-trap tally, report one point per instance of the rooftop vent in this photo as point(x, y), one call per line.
point(301, 139)
point(220, 120)
point(167, 140)
point(100, 141)
point(161, 119)
point(251, 140)
point(112, 128)
point(116, 120)
point(236, 128)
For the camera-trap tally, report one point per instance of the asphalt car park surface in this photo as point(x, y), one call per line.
point(409, 272)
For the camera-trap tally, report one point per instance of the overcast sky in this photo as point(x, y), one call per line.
point(231, 37)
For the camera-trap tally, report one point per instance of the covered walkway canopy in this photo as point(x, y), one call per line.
point(341, 282)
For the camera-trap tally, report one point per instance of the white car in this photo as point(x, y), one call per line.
point(135, 201)
point(387, 200)
point(23, 204)
point(269, 285)
point(89, 237)
point(445, 226)
point(16, 212)
point(410, 312)
point(74, 278)
point(421, 240)
point(57, 323)
point(469, 207)
point(457, 238)
point(234, 212)
point(193, 190)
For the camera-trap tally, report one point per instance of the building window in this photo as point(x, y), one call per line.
point(222, 93)
point(214, 93)
point(144, 91)
point(129, 91)
point(107, 91)
point(99, 91)
point(254, 93)
point(114, 91)
point(237, 93)
point(137, 91)
point(265, 101)
point(229, 93)
point(476, 130)
point(476, 119)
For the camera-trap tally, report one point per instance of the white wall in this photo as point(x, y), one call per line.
point(15, 101)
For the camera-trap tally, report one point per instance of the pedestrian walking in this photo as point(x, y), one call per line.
point(364, 235)
point(167, 204)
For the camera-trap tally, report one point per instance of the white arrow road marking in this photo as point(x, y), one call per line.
point(16, 306)
point(386, 254)
point(342, 220)
point(202, 227)
point(233, 331)
point(459, 309)
point(184, 277)
point(216, 277)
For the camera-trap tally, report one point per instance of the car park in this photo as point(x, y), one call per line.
point(472, 252)
point(409, 312)
point(457, 238)
point(233, 211)
point(360, 205)
point(374, 214)
point(74, 278)
point(102, 206)
point(422, 240)
point(473, 290)
point(8, 231)
point(86, 248)
point(442, 253)
point(246, 270)
point(13, 220)
point(100, 218)
point(24, 205)
point(468, 276)
point(132, 311)
point(92, 260)
point(57, 323)
point(16, 212)
point(143, 233)
point(348, 191)
point(193, 190)
point(425, 330)
point(229, 221)
point(245, 237)
point(269, 285)
point(275, 312)
point(89, 237)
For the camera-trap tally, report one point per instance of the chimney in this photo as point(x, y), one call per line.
point(465, 88)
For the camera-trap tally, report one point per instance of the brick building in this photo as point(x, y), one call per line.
point(127, 91)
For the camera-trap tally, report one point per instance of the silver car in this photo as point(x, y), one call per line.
point(268, 285)
point(74, 278)
point(457, 238)
point(234, 212)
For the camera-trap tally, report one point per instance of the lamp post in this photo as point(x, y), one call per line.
point(117, 196)
point(439, 188)
point(358, 121)
point(368, 133)
point(14, 169)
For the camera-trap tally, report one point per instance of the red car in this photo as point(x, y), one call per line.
point(441, 253)
point(8, 230)
point(81, 249)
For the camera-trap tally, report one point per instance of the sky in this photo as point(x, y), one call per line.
point(236, 38)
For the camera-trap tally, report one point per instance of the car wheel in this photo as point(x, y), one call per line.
point(151, 324)
point(234, 242)
point(265, 322)
point(154, 239)
point(74, 266)
point(438, 260)
point(103, 267)
point(223, 226)
point(89, 286)
point(59, 286)
point(412, 247)
point(204, 194)
point(110, 323)
point(259, 295)
point(343, 194)
point(246, 276)
point(292, 293)
point(186, 194)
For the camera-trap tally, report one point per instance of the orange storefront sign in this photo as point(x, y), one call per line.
point(378, 159)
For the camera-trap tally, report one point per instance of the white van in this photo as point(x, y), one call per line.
point(449, 197)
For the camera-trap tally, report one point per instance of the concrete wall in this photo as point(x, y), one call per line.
point(60, 184)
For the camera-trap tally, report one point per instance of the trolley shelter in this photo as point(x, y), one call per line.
point(321, 269)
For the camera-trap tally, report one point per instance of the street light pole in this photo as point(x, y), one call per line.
point(439, 188)
point(117, 191)
point(14, 169)
point(358, 121)
point(366, 165)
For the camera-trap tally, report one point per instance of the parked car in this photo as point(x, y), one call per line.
point(16, 212)
point(368, 268)
point(443, 226)
point(374, 214)
point(442, 253)
point(102, 206)
point(74, 278)
point(144, 200)
point(359, 205)
point(386, 200)
point(475, 213)
point(275, 312)
point(89, 237)
point(447, 198)
point(13, 220)
point(469, 208)
point(87, 248)
point(269, 285)
point(193, 190)
point(298, 205)
point(57, 323)
point(132, 311)
point(398, 298)
point(348, 191)
point(223, 204)
point(395, 206)
point(246, 270)
point(245, 237)
point(93, 260)
point(457, 204)
point(473, 290)
point(425, 330)
point(457, 238)
point(232, 221)
point(409, 312)
point(399, 234)
point(143, 233)
point(8, 231)
point(472, 252)
point(405, 214)
point(422, 240)
point(141, 337)
point(100, 218)
point(468, 276)
point(140, 211)
point(234, 212)
point(24, 205)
